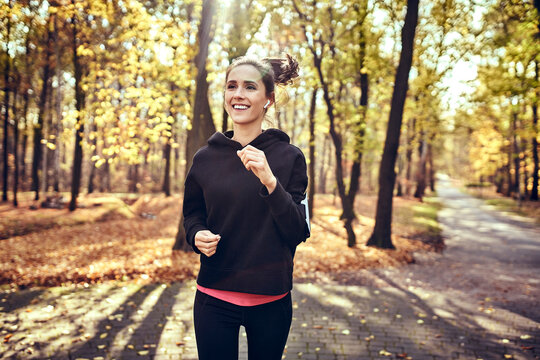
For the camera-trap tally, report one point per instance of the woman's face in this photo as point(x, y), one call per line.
point(245, 95)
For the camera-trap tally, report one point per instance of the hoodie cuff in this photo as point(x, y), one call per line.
point(277, 199)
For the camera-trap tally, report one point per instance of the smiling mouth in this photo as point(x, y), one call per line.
point(240, 107)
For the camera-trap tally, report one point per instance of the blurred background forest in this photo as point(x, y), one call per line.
point(114, 97)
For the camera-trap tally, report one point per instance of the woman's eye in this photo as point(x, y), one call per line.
point(231, 86)
point(251, 87)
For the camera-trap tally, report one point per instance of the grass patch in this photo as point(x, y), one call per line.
point(421, 220)
point(530, 209)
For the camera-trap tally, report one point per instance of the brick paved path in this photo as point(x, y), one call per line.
point(478, 300)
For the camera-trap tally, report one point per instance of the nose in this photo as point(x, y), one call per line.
point(238, 92)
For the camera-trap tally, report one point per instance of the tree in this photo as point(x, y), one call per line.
point(508, 89)
point(38, 128)
point(536, 167)
point(79, 104)
point(333, 70)
point(202, 125)
point(7, 92)
point(311, 189)
point(381, 236)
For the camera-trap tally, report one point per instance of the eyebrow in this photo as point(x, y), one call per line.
point(245, 81)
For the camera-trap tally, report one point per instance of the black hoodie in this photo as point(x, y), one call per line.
point(259, 231)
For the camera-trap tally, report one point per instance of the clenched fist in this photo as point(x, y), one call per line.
point(255, 160)
point(206, 242)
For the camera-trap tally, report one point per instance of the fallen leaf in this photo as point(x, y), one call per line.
point(403, 356)
point(385, 353)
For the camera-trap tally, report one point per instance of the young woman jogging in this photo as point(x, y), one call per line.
point(244, 214)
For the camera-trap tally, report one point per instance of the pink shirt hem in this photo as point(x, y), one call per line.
point(239, 298)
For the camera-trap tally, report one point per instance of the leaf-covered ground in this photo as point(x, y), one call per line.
point(108, 240)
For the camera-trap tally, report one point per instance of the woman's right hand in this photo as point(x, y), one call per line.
point(206, 242)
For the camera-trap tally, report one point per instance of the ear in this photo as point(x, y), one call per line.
point(267, 104)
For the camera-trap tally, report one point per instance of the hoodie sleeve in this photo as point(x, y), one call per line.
point(194, 210)
point(286, 205)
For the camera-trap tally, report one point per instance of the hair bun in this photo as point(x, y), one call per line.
point(285, 70)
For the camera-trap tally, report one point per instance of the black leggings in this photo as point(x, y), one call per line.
point(217, 326)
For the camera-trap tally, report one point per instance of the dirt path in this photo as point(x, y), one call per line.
point(488, 255)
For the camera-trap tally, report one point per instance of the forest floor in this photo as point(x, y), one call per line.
point(120, 237)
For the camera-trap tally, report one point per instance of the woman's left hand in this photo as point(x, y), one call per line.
point(255, 160)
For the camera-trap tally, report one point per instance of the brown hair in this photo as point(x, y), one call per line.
point(273, 70)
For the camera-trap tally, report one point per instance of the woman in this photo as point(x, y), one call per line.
point(243, 213)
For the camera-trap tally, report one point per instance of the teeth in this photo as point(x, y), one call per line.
point(240, 107)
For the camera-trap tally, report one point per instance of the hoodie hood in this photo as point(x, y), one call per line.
point(263, 141)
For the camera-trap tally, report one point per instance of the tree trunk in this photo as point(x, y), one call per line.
point(26, 100)
point(15, 153)
point(421, 172)
point(411, 128)
point(166, 188)
point(176, 162)
point(7, 92)
point(399, 178)
point(516, 185)
point(93, 169)
point(79, 126)
point(525, 180)
point(105, 177)
point(47, 124)
point(24, 143)
point(499, 180)
point(323, 168)
point(359, 131)
point(534, 190)
point(348, 211)
point(224, 123)
point(431, 171)
point(38, 128)
point(202, 125)
point(58, 124)
point(133, 177)
point(311, 189)
point(381, 236)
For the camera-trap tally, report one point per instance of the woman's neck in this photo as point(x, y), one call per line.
point(246, 134)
